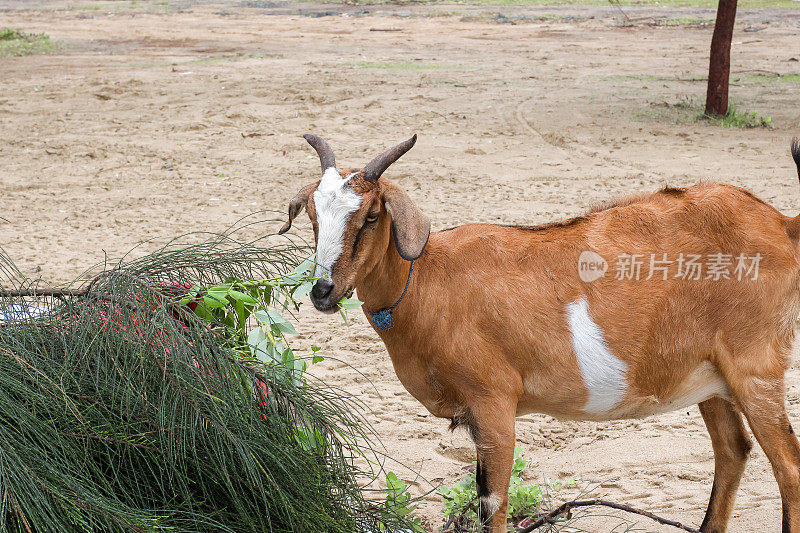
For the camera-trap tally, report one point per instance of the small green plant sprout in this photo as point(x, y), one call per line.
point(399, 503)
point(251, 312)
point(460, 500)
point(523, 499)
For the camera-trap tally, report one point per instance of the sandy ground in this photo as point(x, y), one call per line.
point(155, 122)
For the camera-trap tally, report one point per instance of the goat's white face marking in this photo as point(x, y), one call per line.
point(603, 373)
point(334, 203)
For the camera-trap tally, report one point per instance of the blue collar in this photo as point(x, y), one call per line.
point(382, 319)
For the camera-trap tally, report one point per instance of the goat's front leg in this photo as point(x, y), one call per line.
point(493, 433)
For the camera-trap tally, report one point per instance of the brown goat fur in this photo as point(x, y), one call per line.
point(490, 326)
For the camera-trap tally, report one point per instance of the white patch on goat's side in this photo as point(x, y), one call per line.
point(489, 505)
point(603, 373)
point(334, 203)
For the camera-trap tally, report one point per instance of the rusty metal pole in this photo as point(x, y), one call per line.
point(719, 67)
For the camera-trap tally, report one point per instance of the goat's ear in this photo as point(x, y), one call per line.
point(297, 204)
point(410, 226)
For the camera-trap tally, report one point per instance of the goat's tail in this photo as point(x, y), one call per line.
point(793, 224)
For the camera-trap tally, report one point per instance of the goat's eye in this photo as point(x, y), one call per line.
point(371, 219)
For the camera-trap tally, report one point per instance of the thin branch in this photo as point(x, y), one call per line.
point(5, 293)
point(550, 518)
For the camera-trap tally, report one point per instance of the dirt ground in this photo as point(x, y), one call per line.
point(155, 122)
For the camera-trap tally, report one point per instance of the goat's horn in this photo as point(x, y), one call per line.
point(324, 151)
point(375, 168)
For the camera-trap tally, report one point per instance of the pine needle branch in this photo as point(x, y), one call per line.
point(124, 411)
point(52, 293)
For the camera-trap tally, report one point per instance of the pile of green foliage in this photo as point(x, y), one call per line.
point(18, 43)
point(461, 500)
point(162, 396)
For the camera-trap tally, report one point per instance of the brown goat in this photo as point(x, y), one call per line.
point(485, 322)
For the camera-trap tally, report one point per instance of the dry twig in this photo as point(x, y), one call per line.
point(550, 517)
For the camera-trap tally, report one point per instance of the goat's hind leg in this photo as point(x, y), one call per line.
point(756, 383)
point(763, 405)
point(731, 448)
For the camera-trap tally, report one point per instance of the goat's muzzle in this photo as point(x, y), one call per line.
point(321, 296)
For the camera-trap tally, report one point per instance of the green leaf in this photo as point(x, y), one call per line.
point(203, 312)
point(242, 297)
point(256, 337)
point(285, 328)
point(392, 481)
point(296, 275)
point(272, 353)
point(275, 320)
point(350, 303)
point(263, 352)
point(214, 302)
point(219, 290)
point(241, 315)
point(317, 359)
point(269, 316)
point(229, 321)
point(278, 348)
point(303, 289)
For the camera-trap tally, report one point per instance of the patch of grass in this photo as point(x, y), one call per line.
point(767, 78)
point(502, 18)
point(682, 112)
point(18, 43)
point(737, 119)
point(710, 4)
point(639, 77)
point(402, 65)
point(683, 22)
point(158, 6)
point(688, 110)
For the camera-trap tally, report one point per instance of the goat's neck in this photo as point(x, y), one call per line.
point(383, 286)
